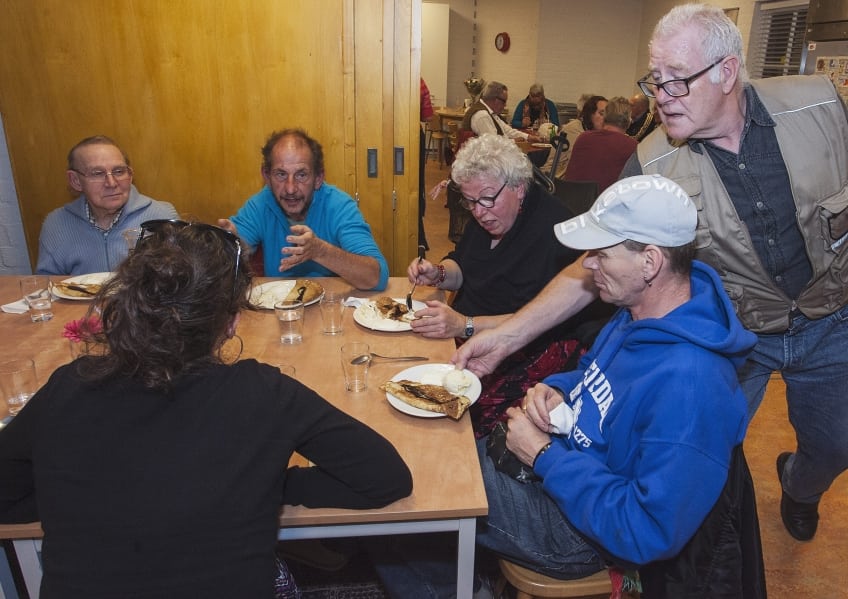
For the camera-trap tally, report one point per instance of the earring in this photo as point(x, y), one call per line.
point(645, 278)
point(226, 356)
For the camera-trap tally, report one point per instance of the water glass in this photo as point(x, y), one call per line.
point(17, 383)
point(356, 359)
point(332, 312)
point(35, 291)
point(290, 316)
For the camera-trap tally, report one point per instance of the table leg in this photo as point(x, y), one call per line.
point(465, 558)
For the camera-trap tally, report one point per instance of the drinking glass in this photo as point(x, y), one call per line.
point(17, 383)
point(332, 312)
point(35, 291)
point(290, 316)
point(356, 359)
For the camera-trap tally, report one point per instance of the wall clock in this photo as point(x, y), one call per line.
point(502, 41)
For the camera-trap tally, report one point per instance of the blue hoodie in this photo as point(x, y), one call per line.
point(658, 410)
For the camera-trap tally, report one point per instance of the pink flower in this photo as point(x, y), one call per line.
point(83, 329)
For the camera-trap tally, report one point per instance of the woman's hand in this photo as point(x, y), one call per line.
point(438, 321)
point(422, 272)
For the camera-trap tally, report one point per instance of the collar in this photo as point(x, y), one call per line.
point(489, 108)
point(756, 113)
point(93, 221)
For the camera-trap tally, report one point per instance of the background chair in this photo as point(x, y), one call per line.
point(437, 138)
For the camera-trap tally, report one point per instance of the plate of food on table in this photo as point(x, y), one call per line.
point(386, 314)
point(80, 287)
point(433, 391)
point(272, 292)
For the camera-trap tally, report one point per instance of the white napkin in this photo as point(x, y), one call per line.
point(355, 302)
point(18, 307)
point(562, 419)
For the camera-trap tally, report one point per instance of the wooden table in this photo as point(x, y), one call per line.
point(449, 114)
point(448, 494)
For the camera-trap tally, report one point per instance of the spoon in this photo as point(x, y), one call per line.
point(372, 356)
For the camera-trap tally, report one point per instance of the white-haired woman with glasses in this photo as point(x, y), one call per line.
point(506, 255)
point(156, 469)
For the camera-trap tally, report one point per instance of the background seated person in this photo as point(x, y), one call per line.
point(600, 154)
point(484, 115)
point(85, 235)
point(506, 255)
point(642, 117)
point(317, 227)
point(534, 110)
point(158, 470)
point(590, 117)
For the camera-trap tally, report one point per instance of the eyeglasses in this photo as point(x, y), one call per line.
point(154, 227)
point(482, 201)
point(300, 177)
point(119, 173)
point(676, 88)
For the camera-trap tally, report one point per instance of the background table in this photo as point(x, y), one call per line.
point(448, 492)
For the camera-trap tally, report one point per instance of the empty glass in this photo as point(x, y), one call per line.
point(290, 316)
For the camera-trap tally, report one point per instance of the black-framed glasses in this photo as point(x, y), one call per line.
point(676, 88)
point(482, 201)
point(153, 227)
point(119, 173)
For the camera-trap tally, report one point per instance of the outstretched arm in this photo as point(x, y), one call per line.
point(563, 297)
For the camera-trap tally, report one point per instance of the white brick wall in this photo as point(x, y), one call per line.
point(13, 250)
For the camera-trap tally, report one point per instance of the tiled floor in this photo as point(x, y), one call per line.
point(794, 570)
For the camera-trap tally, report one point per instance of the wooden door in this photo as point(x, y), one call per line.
point(191, 90)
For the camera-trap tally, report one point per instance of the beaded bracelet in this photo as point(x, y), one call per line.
point(443, 274)
point(545, 448)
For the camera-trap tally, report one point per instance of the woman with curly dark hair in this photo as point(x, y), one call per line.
point(158, 470)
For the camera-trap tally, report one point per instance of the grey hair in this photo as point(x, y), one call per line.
point(617, 112)
point(537, 88)
point(493, 156)
point(493, 89)
point(720, 37)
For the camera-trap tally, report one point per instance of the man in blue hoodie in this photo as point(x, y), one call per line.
point(633, 448)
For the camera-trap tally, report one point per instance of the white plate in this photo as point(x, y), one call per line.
point(94, 278)
point(367, 315)
point(541, 145)
point(268, 294)
point(417, 373)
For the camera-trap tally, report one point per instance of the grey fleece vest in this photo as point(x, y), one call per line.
point(812, 133)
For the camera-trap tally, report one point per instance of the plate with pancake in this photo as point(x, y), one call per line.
point(80, 287)
point(388, 314)
point(444, 379)
point(268, 294)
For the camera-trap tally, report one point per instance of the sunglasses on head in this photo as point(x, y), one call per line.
point(154, 227)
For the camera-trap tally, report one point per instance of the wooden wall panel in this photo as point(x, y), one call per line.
point(191, 89)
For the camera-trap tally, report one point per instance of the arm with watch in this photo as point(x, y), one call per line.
point(438, 320)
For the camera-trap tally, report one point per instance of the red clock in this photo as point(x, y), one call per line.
point(502, 41)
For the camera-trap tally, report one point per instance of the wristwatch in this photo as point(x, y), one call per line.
point(469, 326)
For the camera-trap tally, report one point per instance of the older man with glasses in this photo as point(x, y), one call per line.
point(484, 114)
point(85, 235)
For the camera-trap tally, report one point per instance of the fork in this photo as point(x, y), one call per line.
point(421, 250)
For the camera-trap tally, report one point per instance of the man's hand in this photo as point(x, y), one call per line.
point(228, 225)
point(441, 322)
point(539, 402)
point(482, 353)
point(305, 246)
point(523, 438)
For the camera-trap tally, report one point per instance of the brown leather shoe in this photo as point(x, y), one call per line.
point(800, 519)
